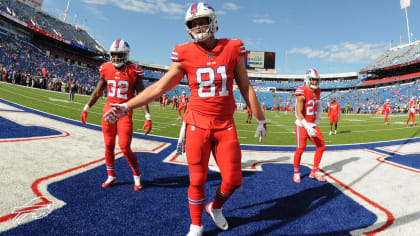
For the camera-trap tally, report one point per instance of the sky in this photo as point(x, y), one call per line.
point(329, 35)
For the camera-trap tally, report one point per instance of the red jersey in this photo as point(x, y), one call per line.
point(334, 109)
point(120, 83)
point(183, 99)
point(387, 107)
point(311, 102)
point(210, 78)
point(412, 107)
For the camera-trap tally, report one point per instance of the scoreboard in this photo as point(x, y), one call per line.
point(260, 60)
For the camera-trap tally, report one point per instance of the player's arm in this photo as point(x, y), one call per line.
point(97, 92)
point(329, 110)
point(247, 91)
point(339, 111)
point(139, 89)
point(164, 84)
point(300, 102)
point(100, 87)
point(250, 97)
point(148, 119)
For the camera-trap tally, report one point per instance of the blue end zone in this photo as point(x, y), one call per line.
point(13, 130)
point(409, 160)
point(268, 203)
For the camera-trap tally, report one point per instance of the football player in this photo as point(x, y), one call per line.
point(308, 114)
point(183, 100)
point(334, 113)
point(412, 111)
point(276, 102)
point(211, 66)
point(163, 101)
point(387, 110)
point(121, 78)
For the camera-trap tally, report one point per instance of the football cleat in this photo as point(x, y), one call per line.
point(109, 182)
point(335, 131)
point(315, 175)
point(217, 216)
point(330, 133)
point(137, 187)
point(296, 178)
point(195, 230)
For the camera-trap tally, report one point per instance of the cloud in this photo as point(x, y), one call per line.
point(230, 6)
point(98, 13)
point(263, 21)
point(144, 6)
point(98, 2)
point(345, 52)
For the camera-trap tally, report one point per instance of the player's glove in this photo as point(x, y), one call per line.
point(147, 123)
point(261, 130)
point(83, 116)
point(118, 111)
point(311, 131)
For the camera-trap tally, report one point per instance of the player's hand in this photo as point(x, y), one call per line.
point(148, 125)
point(311, 132)
point(118, 111)
point(261, 130)
point(83, 117)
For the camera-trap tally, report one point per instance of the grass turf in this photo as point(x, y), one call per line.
point(352, 128)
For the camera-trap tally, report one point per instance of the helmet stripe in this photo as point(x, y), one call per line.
point(194, 9)
point(316, 73)
point(117, 44)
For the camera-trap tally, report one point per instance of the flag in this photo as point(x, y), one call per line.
point(401, 37)
point(404, 3)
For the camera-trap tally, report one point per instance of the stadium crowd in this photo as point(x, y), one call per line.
point(47, 23)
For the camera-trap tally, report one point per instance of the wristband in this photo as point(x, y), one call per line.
point(147, 116)
point(86, 108)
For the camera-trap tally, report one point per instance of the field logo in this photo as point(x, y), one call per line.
point(36, 208)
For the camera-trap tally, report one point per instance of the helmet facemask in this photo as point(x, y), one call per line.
point(314, 83)
point(118, 59)
point(196, 11)
point(119, 53)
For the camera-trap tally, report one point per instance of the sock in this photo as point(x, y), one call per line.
point(110, 171)
point(220, 199)
point(196, 210)
point(136, 180)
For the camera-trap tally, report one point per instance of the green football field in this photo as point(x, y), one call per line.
point(353, 128)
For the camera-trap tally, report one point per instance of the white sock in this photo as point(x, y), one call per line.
point(136, 180)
